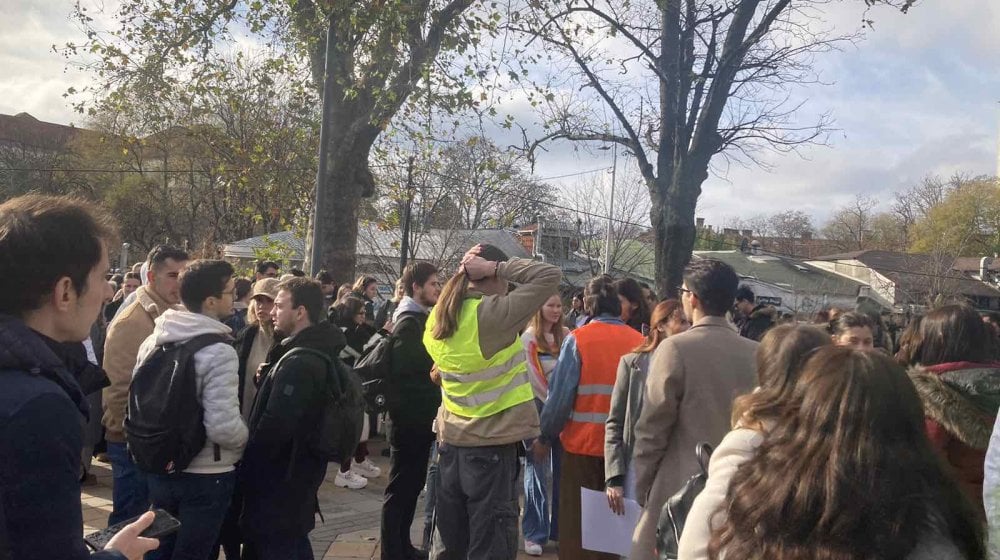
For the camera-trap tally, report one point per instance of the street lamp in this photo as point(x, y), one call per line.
point(611, 205)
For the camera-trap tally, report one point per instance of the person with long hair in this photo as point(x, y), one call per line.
point(909, 343)
point(578, 405)
point(488, 409)
point(542, 340)
point(626, 402)
point(366, 289)
point(634, 303)
point(959, 384)
point(779, 359)
point(846, 472)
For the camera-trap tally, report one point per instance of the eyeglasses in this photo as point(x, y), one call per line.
point(684, 290)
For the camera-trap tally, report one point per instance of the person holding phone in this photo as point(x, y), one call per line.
point(46, 307)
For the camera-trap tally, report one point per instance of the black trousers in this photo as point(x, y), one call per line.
point(410, 449)
point(477, 509)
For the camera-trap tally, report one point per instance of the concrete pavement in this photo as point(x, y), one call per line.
point(351, 527)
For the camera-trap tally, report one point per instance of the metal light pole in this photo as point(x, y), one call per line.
point(404, 245)
point(324, 150)
point(123, 258)
point(611, 209)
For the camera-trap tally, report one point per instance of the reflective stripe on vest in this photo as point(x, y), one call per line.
point(474, 386)
point(600, 346)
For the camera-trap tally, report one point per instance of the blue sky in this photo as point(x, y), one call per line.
point(918, 96)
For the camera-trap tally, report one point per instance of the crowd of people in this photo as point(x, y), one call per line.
point(834, 438)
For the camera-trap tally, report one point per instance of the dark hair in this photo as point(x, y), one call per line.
point(714, 282)
point(453, 294)
point(44, 239)
point(159, 255)
point(954, 333)
point(909, 343)
point(779, 359)
point(345, 309)
point(117, 279)
point(744, 293)
point(243, 287)
point(264, 265)
point(324, 277)
point(131, 276)
point(305, 293)
point(601, 297)
point(867, 482)
point(203, 279)
point(632, 291)
point(850, 320)
point(363, 282)
point(297, 272)
point(578, 295)
point(416, 273)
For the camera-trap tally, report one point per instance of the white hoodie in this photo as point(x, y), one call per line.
point(217, 383)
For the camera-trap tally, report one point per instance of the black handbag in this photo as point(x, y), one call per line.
point(675, 511)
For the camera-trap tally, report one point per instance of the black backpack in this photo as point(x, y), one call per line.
point(164, 425)
point(342, 419)
point(675, 511)
point(374, 367)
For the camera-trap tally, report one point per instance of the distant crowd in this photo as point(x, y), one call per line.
point(738, 431)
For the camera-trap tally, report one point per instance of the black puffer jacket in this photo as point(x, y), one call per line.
point(280, 476)
point(758, 322)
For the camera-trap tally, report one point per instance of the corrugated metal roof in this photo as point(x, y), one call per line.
point(784, 271)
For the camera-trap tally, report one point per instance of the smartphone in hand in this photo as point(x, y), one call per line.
point(164, 525)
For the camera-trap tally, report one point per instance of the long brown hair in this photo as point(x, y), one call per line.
point(453, 294)
point(661, 315)
point(954, 333)
point(558, 331)
point(779, 358)
point(847, 473)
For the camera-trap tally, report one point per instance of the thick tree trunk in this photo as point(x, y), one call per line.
point(673, 217)
point(348, 180)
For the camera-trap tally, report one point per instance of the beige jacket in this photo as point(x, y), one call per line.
point(501, 319)
point(736, 448)
point(693, 378)
point(121, 349)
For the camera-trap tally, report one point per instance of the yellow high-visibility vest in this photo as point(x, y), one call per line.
point(474, 386)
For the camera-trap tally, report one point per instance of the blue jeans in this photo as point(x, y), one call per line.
point(281, 549)
point(200, 503)
point(130, 495)
point(537, 525)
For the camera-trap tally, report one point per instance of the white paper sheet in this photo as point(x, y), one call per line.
point(603, 530)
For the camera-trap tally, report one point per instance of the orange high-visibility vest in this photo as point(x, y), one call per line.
point(601, 346)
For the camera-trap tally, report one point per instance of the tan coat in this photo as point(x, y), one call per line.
point(121, 349)
point(693, 379)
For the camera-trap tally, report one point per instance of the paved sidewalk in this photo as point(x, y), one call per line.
point(351, 529)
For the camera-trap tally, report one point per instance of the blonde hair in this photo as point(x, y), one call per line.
point(449, 306)
point(558, 331)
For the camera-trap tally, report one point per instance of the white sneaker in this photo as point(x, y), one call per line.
point(350, 480)
point(532, 549)
point(365, 468)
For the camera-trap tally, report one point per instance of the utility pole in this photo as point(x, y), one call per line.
point(404, 245)
point(611, 209)
point(324, 152)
